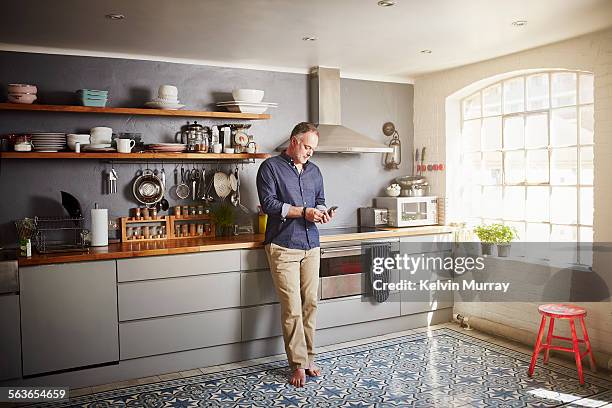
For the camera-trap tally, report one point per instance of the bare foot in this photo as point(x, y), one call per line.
point(313, 371)
point(298, 379)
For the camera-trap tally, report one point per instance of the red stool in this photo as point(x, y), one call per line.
point(558, 311)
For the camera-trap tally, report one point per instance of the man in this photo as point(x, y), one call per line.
point(290, 190)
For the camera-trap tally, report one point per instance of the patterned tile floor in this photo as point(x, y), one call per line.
point(439, 368)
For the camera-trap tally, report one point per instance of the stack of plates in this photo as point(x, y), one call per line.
point(93, 97)
point(161, 103)
point(247, 107)
point(167, 147)
point(48, 142)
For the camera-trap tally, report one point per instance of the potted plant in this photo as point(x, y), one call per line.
point(486, 235)
point(223, 215)
point(504, 234)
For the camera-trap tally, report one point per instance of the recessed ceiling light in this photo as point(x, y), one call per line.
point(386, 3)
point(309, 38)
point(115, 16)
point(425, 51)
point(519, 23)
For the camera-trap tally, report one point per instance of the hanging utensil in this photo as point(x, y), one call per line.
point(417, 166)
point(182, 189)
point(422, 160)
point(195, 180)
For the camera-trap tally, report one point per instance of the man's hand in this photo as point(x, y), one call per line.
point(327, 216)
point(314, 215)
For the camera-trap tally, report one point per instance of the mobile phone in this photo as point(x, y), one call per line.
point(329, 210)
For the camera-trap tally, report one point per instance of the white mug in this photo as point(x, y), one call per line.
point(125, 145)
point(101, 135)
point(217, 148)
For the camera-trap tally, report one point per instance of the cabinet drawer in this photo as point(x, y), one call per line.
point(170, 266)
point(257, 288)
point(427, 300)
point(260, 322)
point(339, 312)
point(251, 259)
point(170, 334)
point(164, 297)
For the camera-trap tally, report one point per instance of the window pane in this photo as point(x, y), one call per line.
point(563, 89)
point(563, 205)
point(586, 88)
point(471, 135)
point(536, 130)
point(514, 163)
point(491, 133)
point(537, 92)
point(471, 106)
point(564, 166)
point(491, 100)
point(520, 229)
point(514, 203)
point(514, 133)
point(492, 168)
point(514, 96)
point(586, 234)
point(471, 167)
point(586, 124)
point(538, 202)
point(563, 127)
point(537, 166)
point(586, 205)
point(537, 232)
point(563, 233)
point(586, 165)
point(491, 202)
point(474, 200)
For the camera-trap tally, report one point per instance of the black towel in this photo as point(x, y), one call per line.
point(372, 251)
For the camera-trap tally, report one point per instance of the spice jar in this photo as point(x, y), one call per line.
point(200, 229)
point(177, 211)
point(129, 232)
point(153, 213)
point(145, 232)
point(192, 230)
point(145, 213)
point(185, 211)
point(137, 213)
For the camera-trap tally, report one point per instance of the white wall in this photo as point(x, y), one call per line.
point(592, 53)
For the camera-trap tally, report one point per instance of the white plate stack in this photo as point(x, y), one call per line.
point(247, 101)
point(48, 142)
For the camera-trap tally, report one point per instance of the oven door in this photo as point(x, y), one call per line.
point(341, 271)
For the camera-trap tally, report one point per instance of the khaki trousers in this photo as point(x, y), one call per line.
point(295, 274)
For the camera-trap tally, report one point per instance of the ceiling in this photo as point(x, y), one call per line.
point(361, 38)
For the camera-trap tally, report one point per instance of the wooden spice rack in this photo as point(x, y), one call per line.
point(168, 221)
point(203, 217)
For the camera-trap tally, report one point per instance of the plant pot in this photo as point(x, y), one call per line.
point(487, 248)
point(503, 250)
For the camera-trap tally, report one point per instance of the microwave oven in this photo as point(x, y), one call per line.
point(409, 211)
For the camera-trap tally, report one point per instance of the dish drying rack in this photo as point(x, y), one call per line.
point(59, 234)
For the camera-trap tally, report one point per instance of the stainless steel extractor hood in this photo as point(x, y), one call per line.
point(325, 111)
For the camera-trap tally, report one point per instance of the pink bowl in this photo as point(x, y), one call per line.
point(21, 98)
point(22, 88)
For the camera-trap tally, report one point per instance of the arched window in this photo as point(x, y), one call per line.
point(527, 156)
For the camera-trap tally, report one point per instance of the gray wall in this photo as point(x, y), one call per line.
point(31, 187)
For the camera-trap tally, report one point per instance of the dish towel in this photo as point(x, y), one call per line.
point(372, 251)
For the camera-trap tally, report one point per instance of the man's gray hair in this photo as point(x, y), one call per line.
point(304, 127)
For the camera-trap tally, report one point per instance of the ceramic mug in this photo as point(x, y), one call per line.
point(217, 148)
point(101, 135)
point(125, 145)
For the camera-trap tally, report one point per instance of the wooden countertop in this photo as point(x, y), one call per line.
point(184, 246)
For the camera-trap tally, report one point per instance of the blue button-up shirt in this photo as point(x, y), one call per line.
point(280, 185)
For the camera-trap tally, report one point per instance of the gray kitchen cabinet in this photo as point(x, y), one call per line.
point(259, 322)
point(252, 259)
point(418, 301)
point(155, 267)
point(163, 335)
point(343, 311)
point(10, 337)
point(68, 316)
point(257, 288)
point(164, 297)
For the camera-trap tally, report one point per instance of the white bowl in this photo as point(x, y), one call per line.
point(22, 88)
point(248, 95)
point(393, 192)
point(78, 137)
point(21, 98)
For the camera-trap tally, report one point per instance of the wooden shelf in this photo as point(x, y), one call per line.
point(133, 156)
point(132, 111)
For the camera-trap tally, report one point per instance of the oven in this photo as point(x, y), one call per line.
point(344, 268)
